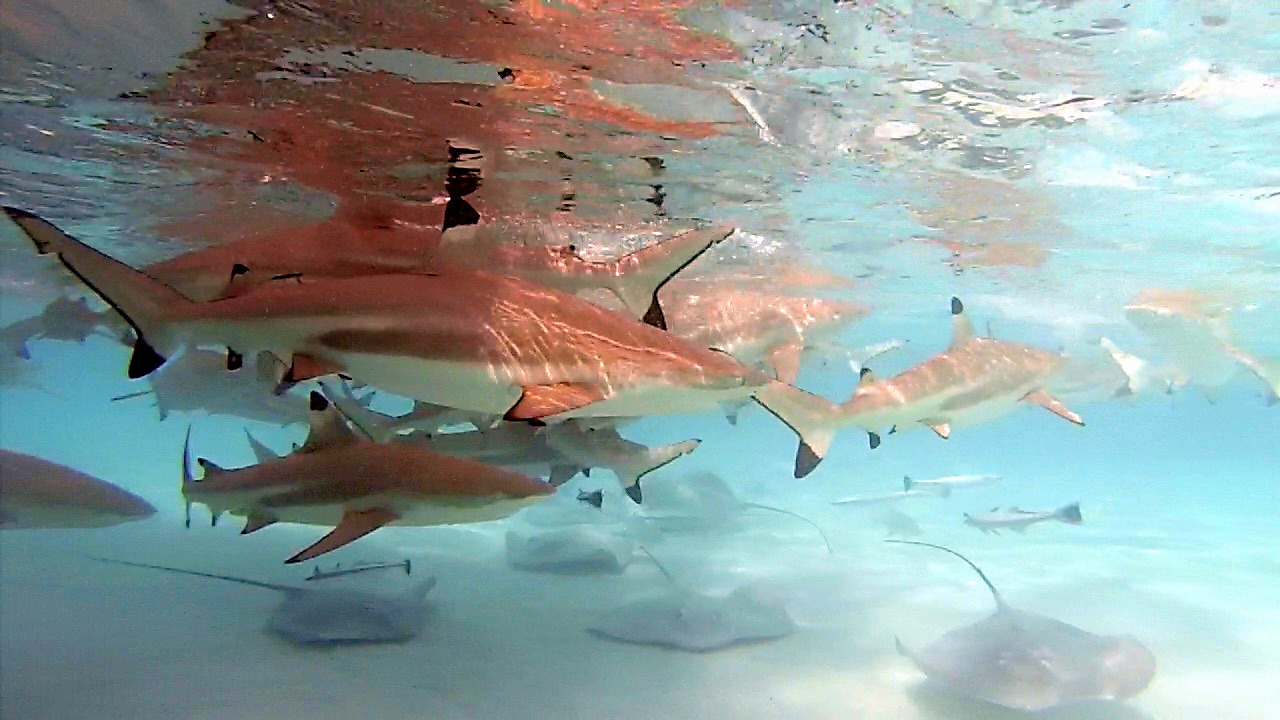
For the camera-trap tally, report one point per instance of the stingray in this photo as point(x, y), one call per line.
point(333, 616)
point(574, 550)
point(704, 500)
point(682, 619)
point(1021, 660)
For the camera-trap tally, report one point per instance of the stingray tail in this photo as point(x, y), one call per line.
point(636, 278)
point(811, 417)
point(1070, 514)
point(798, 516)
point(141, 300)
point(994, 592)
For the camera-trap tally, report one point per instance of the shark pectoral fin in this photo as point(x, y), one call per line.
point(561, 474)
point(873, 439)
point(811, 417)
point(785, 360)
point(355, 524)
point(540, 401)
point(1020, 529)
point(255, 522)
point(1052, 404)
point(942, 429)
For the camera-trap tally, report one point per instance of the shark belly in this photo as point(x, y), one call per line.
point(462, 385)
point(447, 510)
point(659, 399)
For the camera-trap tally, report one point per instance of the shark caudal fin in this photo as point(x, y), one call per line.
point(1070, 514)
point(810, 416)
point(140, 299)
point(636, 278)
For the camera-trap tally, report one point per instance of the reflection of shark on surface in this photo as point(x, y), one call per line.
point(1022, 660)
point(330, 616)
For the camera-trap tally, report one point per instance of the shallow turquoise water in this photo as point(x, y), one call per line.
point(1178, 491)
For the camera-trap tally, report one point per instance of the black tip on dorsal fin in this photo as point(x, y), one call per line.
point(873, 439)
point(319, 403)
point(654, 315)
point(235, 360)
point(1000, 604)
point(459, 212)
point(144, 361)
point(239, 269)
point(634, 493)
point(957, 307)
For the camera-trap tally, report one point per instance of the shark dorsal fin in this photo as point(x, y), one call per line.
point(327, 426)
point(961, 326)
point(865, 377)
point(261, 452)
point(1000, 603)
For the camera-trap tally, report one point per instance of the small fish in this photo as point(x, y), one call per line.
point(339, 571)
point(1017, 520)
point(595, 498)
point(886, 497)
point(944, 485)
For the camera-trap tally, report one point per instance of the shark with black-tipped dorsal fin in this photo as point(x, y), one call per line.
point(469, 340)
point(341, 478)
point(559, 451)
point(755, 326)
point(603, 447)
point(975, 380)
point(635, 279)
point(403, 248)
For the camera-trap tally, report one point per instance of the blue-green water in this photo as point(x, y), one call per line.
point(1175, 190)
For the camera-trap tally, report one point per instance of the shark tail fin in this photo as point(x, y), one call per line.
point(141, 300)
point(906, 483)
point(1070, 514)
point(637, 277)
point(632, 469)
point(811, 417)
